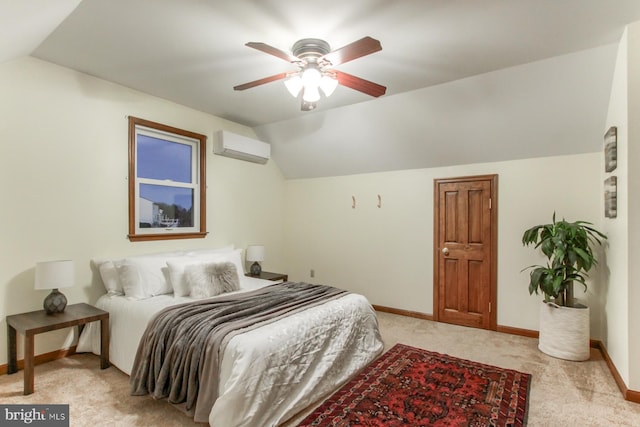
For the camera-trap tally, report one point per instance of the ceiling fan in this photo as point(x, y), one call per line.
point(315, 61)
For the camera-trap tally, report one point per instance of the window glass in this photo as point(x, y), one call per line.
point(162, 159)
point(162, 206)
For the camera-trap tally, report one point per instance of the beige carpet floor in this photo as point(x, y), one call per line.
point(562, 393)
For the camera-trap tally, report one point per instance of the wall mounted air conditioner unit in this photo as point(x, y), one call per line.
point(240, 147)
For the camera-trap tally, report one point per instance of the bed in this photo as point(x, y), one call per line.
point(266, 374)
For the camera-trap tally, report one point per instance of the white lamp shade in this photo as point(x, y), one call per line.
point(328, 85)
point(311, 94)
point(294, 85)
point(311, 76)
point(255, 253)
point(54, 274)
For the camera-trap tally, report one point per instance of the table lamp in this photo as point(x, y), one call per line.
point(54, 275)
point(255, 253)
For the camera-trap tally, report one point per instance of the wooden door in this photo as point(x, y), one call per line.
point(465, 250)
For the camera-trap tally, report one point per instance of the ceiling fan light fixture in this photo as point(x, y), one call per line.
point(311, 94)
point(328, 84)
point(311, 76)
point(294, 85)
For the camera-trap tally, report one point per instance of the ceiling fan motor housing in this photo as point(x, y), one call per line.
point(310, 49)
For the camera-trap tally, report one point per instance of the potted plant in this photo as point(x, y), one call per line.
point(564, 323)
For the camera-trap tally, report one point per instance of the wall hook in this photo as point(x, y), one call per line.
point(353, 202)
point(379, 201)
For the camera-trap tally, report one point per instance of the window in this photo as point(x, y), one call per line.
point(167, 186)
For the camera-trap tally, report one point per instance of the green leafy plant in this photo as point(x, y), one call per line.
point(568, 247)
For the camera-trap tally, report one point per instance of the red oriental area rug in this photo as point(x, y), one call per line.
point(408, 386)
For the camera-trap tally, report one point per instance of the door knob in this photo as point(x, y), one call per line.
point(445, 251)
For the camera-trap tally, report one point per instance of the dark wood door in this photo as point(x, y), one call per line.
point(465, 219)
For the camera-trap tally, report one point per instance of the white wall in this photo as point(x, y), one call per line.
point(616, 335)
point(387, 253)
point(623, 290)
point(633, 94)
point(63, 180)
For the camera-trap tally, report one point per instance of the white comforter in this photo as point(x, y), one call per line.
point(268, 374)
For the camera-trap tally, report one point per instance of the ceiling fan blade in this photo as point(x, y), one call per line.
point(359, 84)
point(273, 51)
point(261, 81)
point(357, 49)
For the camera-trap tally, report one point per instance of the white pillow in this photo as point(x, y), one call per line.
point(235, 256)
point(109, 275)
point(177, 266)
point(154, 273)
point(211, 279)
point(106, 274)
point(176, 276)
point(131, 281)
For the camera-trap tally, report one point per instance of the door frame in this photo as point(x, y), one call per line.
point(493, 262)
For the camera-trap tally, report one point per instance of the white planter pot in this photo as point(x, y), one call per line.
point(564, 331)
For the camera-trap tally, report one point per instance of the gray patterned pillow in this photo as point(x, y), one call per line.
point(210, 279)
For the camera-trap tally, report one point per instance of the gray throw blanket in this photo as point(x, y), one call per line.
point(179, 354)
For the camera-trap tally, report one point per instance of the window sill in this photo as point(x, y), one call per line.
point(167, 236)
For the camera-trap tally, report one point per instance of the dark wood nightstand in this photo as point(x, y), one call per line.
point(270, 276)
point(36, 322)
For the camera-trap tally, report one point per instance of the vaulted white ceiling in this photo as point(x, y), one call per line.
point(468, 81)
